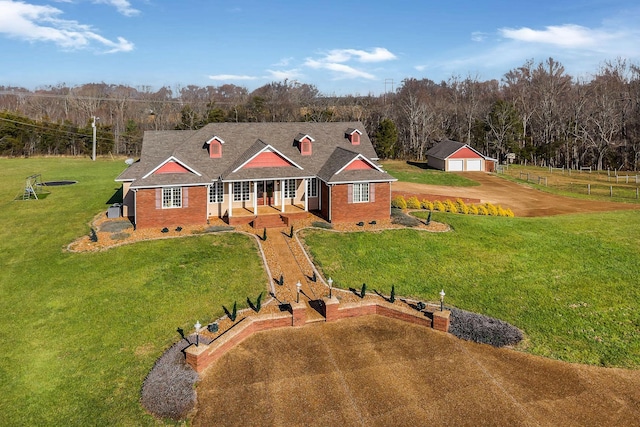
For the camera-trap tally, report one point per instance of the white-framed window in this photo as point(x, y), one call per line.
point(361, 192)
point(289, 188)
point(171, 197)
point(312, 187)
point(216, 192)
point(241, 191)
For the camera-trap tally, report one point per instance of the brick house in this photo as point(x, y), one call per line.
point(261, 173)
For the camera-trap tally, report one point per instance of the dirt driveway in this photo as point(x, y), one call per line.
point(374, 371)
point(523, 200)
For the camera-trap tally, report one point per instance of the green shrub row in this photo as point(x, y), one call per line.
point(459, 206)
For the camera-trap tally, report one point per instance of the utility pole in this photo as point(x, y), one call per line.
point(93, 125)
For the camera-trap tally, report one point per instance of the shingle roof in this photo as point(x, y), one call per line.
point(331, 152)
point(446, 148)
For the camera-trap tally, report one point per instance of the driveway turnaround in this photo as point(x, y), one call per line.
point(374, 371)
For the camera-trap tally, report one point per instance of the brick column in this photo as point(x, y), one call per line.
point(441, 320)
point(331, 309)
point(299, 310)
point(195, 356)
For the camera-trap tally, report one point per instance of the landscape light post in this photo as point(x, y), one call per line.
point(298, 285)
point(330, 281)
point(442, 294)
point(197, 326)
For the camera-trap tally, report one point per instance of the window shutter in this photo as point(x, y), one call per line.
point(350, 193)
point(158, 198)
point(185, 197)
point(372, 192)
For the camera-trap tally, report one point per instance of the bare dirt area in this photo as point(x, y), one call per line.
point(375, 371)
point(524, 201)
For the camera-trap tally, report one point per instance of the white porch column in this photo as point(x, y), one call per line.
point(306, 194)
point(230, 198)
point(282, 194)
point(255, 198)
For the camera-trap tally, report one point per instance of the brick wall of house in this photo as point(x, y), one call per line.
point(324, 195)
point(343, 211)
point(147, 215)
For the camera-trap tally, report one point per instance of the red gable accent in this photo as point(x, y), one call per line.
point(215, 149)
point(267, 159)
point(354, 138)
point(172, 167)
point(465, 153)
point(358, 165)
point(305, 146)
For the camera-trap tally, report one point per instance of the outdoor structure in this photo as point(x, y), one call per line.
point(265, 174)
point(453, 156)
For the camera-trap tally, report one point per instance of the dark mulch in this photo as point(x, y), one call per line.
point(401, 218)
point(115, 226)
point(483, 329)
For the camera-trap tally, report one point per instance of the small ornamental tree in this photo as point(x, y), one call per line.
point(363, 290)
point(264, 234)
point(392, 297)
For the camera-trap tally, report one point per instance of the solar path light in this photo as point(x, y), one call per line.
point(298, 286)
point(197, 326)
point(442, 294)
point(330, 281)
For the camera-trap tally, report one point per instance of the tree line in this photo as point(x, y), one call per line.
point(536, 114)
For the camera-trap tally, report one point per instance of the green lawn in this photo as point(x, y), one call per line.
point(420, 174)
point(79, 332)
point(572, 283)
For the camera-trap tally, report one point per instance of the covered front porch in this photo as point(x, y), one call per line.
point(266, 203)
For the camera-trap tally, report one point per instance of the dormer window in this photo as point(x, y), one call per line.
point(354, 136)
point(215, 147)
point(305, 144)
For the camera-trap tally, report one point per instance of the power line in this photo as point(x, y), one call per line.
point(54, 130)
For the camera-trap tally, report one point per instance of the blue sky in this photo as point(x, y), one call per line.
point(340, 46)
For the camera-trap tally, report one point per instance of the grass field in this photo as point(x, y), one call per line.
point(571, 283)
point(418, 173)
point(596, 185)
point(79, 332)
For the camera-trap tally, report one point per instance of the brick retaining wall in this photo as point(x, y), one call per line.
point(202, 356)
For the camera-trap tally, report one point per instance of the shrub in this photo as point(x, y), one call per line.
point(259, 302)
point(509, 213)
point(168, 391)
point(426, 204)
point(399, 202)
point(473, 210)
point(462, 206)
point(413, 203)
point(491, 209)
point(482, 210)
point(438, 206)
point(450, 206)
point(482, 329)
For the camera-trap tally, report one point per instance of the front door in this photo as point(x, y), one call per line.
point(265, 193)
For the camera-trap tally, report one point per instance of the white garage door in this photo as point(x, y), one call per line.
point(474, 165)
point(455, 165)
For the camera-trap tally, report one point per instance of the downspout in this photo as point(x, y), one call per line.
point(330, 204)
point(135, 207)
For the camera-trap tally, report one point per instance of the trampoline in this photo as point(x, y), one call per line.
point(58, 183)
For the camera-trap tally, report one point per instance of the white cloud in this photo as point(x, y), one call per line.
point(342, 71)
point(478, 36)
point(335, 61)
point(565, 35)
point(123, 6)
point(378, 54)
point(232, 77)
point(284, 74)
point(284, 62)
point(37, 23)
